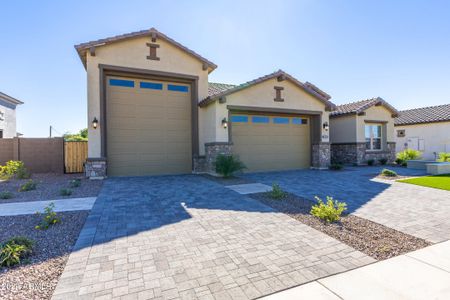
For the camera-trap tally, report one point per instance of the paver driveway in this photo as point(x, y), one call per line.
point(187, 237)
point(419, 211)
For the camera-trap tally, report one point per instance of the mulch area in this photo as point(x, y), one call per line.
point(38, 278)
point(49, 187)
point(373, 239)
point(227, 181)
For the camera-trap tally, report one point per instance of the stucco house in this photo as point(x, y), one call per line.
point(151, 110)
point(8, 107)
point(425, 129)
point(361, 131)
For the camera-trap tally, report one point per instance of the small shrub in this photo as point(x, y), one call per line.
point(14, 250)
point(388, 173)
point(444, 157)
point(6, 195)
point(370, 162)
point(28, 186)
point(404, 164)
point(65, 192)
point(23, 241)
point(399, 161)
point(329, 212)
point(49, 218)
point(14, 168)
point(383, 161)
point(277, 192)
point(227, 165)
point(408, 154)
point(75, 183)
point(336, 167)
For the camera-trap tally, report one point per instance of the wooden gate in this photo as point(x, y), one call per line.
point(75, 154)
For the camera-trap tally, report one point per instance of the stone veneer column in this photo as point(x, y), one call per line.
point(212, 150)
point(95, 168)
point(321, 155)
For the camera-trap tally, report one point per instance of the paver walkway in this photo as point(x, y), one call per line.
point(419, 211)
point(26, 208)
point(422, 274)
point(186, 237)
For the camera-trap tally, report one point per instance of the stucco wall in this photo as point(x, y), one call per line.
point(376, 113)
point(262, 95)
point(343, 129)
point(435, 136)
point(133, 54)
point(8, 124)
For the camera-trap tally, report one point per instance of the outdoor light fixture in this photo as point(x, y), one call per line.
point(95, 123)
point(224, 123)
point(326, 126)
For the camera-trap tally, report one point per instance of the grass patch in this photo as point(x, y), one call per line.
point(436, 181)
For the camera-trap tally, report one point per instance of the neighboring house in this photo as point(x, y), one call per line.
point(8, 106)
point(425, 129)
point(152, 111)
point(361, 131)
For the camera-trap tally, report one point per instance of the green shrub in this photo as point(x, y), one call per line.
point(75, 183)
point(14, 250)
point(28, 186)
point(49, 218)
point(388, 173)
point(383, 161)
point(227, 165)
point(408, 154)
point(65, 192)
point(336, 167)
point(404, 164)
point(14, 168)
point(399, 161)
point(6, 195)
point(277, 192)
point(444, 157)
point(370, 162)
point(329, 212)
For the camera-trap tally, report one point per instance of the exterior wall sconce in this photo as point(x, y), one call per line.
point(326, 126)
point(95, 123)
point(225, 123)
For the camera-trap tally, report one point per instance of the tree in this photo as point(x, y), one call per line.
point(81, 136)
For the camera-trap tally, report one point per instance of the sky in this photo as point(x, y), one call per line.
point(353, 50)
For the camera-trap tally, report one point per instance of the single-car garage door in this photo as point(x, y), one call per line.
point(270, 142)
point(148, 127)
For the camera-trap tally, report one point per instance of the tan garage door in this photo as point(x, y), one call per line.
point(268, 142)
point(148, 127)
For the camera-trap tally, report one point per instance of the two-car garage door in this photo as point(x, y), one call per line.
point(271, 142)
point(148, 127)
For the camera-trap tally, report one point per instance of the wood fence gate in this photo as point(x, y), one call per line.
point(75, 154)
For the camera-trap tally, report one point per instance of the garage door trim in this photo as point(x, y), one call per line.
point(108, 70)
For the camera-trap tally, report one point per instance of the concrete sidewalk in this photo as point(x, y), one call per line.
point(26, 208)
point(422, 274)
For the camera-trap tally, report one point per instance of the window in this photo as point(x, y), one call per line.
point(151, 85)
point(299, 121)
point(178, 88)
point(260, 119)
point(280, 120)
point(239, 119)
point(121, 82)
point(373, 136)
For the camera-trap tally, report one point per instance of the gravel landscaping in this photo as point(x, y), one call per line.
point(373, 239)
point(49, 187)
point(38, 278)
point(228, 181)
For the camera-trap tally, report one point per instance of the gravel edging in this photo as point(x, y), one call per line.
point(227, 181)
point(373, 239)
point(38, 278)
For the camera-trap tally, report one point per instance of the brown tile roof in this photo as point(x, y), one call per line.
point(9, 99)
point(84, 47)
point(360, 106)
point(307, 87)
point(432, 114)
point(215, 88)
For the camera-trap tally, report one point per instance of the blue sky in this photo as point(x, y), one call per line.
point(353, 50)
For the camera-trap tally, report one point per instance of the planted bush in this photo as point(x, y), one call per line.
point(65, 192)
point(336, 167)
point(49, 218)
point(370, 162)
point(14, 250)
point(227, 165)
point(28, 186)
point(277, 192)
point(388, 173)
point(75, 183)
point(329, 212)
point(14, 168)
point(408, 154)
point(6, 195)
point(383, 161)
point(444, 157)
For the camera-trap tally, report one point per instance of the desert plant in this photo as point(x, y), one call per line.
point(388, 173)
point(370, 162)
point(65, 192)
point(276, 192)
point(408, 154)
point(383, 161)
point(398, 161)
point(23, 241)
point(74, 183)
point(227, 165)
point(49, 218)
point(28, 186)
point(14, 250)
point(335, 167)
point(14, 168)
point(330, 211)
point(6, 195)
point(444, 157)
